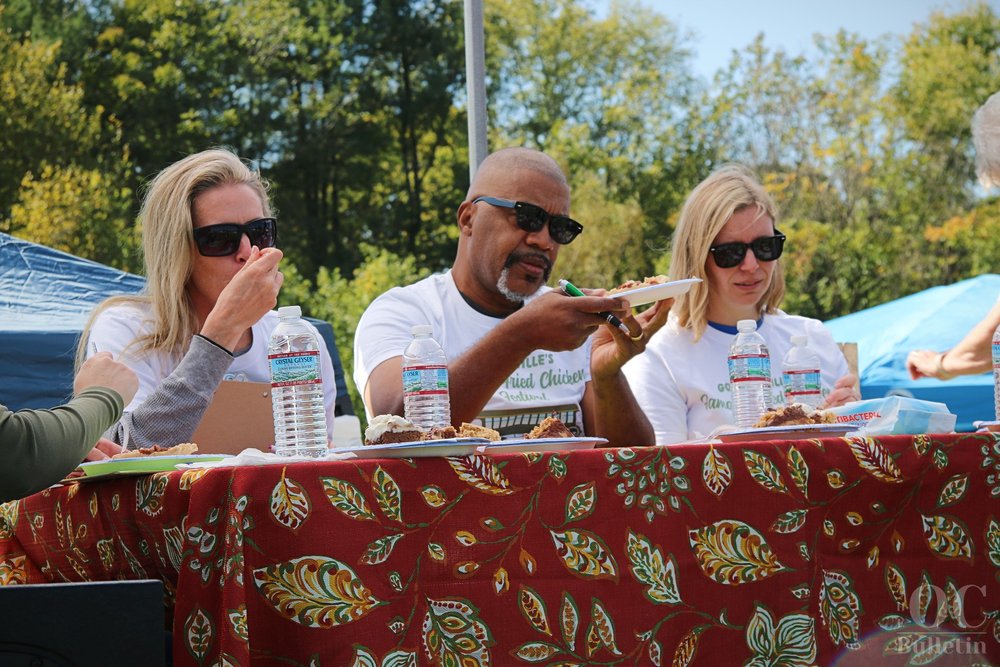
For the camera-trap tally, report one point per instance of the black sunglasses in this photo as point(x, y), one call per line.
point(765, 249)
point(533, 218)
point(224, 239)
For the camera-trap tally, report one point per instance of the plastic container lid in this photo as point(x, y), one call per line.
point(422, 330)
point(290, 311)
point(746, 325)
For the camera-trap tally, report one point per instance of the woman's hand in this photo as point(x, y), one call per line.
point(251, 293)
point(104, 450)
point(845, 390)
point(611, 348)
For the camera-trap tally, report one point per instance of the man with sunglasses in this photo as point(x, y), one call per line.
point(726, 236)
point(518, 351)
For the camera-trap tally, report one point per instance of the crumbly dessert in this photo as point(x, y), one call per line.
point(387, 429)
point(440, 433)
point(550, 427)
point(183, 449)
point(467, 430)
point(633, 284)
point(796, 413)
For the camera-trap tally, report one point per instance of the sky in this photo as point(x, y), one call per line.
point(723, 25)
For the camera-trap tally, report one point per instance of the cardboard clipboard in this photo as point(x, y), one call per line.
point(239, 416)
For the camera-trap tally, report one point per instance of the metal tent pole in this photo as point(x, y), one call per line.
point(475, 74)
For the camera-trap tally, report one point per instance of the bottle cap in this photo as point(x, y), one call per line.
point(800, 340)
point(422, 330)
point(290, 311)
point(746, 325)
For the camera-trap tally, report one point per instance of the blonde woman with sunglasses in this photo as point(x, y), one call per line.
point(726, 236)
point(209, 245)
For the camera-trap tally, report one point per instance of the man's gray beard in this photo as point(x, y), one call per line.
point(506, 291)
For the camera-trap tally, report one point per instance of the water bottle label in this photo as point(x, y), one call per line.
point(996, 355)
point(294, 368)
point(749, 368)
point(802, 384)
point(425, 380)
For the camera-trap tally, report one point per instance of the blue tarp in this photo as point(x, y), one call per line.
point(935, 319)
point(46, 297)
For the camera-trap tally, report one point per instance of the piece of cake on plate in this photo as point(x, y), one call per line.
point(467, 430)
point(550, 427)
point(390, 429)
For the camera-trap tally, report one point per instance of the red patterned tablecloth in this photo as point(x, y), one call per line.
point(850, 551)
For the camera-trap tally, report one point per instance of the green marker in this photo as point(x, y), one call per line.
point(573, 290)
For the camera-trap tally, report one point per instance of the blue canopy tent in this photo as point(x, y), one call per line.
point(45, 299)
point(934, 319)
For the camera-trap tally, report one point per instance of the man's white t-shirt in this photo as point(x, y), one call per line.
point(545, 383)
point(683, 386)
point(119, 326)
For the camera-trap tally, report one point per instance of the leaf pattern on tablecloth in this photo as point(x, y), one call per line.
point(12, 570)
point(198, 633)
point(732, 552)
point(173, 541)
point(536, 651)
point(8, 518)
point(315, 591)
point(840, 608)
point(656, 574)
point(501, 580)
point(716, 471)
point(190, 476)
point(290, 505)
point(453, 634)
point(569, 620)
point(791, 643)
point(226, 660)
point(238, 622)
point(687, 647)
point(481, 472)
point(895, 583)
point(380, 550)
point(798, 470)
point(953, 490)
point(585, 554)
point(601, 631)
point(763, 471)
point(533, 609)
point(387, 495)
point(433, 495)
point(363, 657)
point(993, 542)
point(790, 521)
point(149, 493)
point(947, 537)
point(580, 502)
point(874, 459)
point(347, 499)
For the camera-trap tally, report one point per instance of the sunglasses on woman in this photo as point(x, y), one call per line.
point(533, 218)
point(224, 239)
point(765, 249)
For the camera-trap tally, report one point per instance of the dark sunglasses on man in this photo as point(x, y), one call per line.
point(765, 249)
point(533, 218)
point(224, 239)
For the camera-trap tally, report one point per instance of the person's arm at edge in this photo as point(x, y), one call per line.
point(973, 354)
point(611, 411)
point(40, 447)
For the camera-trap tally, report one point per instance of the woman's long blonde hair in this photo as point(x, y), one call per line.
point(168, 246)
point(708, 208)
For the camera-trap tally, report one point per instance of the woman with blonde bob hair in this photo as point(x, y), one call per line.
point(726, 236)
point(205, 315)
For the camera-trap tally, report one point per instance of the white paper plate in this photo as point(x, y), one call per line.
point(640, 296)
point(418, 448)
point(991, 426)
point(520, 445)
point(789, 432)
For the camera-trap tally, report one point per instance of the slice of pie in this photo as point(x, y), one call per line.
point(633, 284)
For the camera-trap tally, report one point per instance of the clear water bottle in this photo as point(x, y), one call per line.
point(426, 402)
point(800, 374)
point(996, 373)
point(296, 387)
point(749, 374)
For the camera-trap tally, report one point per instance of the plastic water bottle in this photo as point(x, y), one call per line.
point(426, 402)
point(749, 374)
point(800, 374)
point(296, 387)
point(996, 373)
